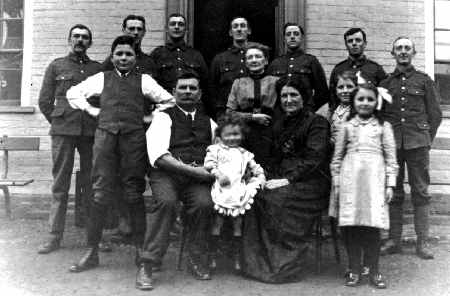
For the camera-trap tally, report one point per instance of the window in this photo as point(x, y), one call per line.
point(442, 48)
point(11, 51)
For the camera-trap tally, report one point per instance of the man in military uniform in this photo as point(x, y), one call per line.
point(229, 65)
point(415, 116)
point(176, 57)
point(355, 42)
point(298, 65)
point(70, 129)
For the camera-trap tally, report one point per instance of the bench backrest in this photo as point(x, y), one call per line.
point(15, 144)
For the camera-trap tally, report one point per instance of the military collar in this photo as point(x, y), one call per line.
point(78, 59)
point(357, 121)
point(357, 61)
point(175, 45)
point(407, 72)
point(235, 49)
point(294, 54)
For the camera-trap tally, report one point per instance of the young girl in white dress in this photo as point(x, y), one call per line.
point(238, 178)
point(364, 170)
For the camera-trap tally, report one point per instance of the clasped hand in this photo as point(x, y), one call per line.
point(276, 183)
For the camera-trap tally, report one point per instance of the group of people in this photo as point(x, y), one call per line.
point(240, 142)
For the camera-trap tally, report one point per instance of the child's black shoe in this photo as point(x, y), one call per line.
point(352, 279)
point(378, 281)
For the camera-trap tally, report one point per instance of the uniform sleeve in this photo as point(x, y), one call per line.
point(339, 153)
point(233, 102)
point(432, 105)
point(156, 93)
point(389, 152)
point(321, 94)
point(380, 75)
point(47, 93)
point(213, 84)
point(78, 94)
point(158, 137)
point(316, 150)
point(334, 102)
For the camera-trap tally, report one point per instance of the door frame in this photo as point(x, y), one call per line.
point(286, 11)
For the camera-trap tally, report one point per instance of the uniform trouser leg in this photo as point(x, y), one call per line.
point(396, 205)
point(84, 146)
point(63, 152)
point(199, 208)
point(161, 208)
point(418, 162)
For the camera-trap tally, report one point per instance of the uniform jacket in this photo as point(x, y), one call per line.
point(370, 70)
point(306, 68)
point(415, 112)
point(225, 68)
point(60, 75)
point(174, 58)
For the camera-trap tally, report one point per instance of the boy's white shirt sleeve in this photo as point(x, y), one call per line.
point(156, 93)
point(158, 137)
point(213, 131)
point(78, 94)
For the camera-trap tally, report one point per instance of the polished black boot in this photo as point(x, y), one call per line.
point(88, 261)
point(197, 269)
point(144, 279)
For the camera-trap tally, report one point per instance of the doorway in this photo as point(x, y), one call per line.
point(212, 20)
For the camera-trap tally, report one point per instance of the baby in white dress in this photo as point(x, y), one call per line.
point(238, 178)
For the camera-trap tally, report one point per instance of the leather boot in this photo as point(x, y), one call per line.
point(422, 226)
point(144, 277)
point(49, 246)
point(393, 244)
point(88, 261)
point(197, 269)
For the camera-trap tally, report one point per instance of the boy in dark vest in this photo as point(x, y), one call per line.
point(183, 132)
point(119, 144)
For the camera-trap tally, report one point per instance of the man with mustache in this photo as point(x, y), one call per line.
point(183, 132)
point(355, 41)
point(119, 144)
point(415, 116)
point(176, 57)
point(70, 128)
point(298, 65)
point(229, 65)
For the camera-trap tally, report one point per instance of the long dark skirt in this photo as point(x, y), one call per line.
point(275, 234)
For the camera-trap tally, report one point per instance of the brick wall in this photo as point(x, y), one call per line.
point(326, 21)
point(382, 20)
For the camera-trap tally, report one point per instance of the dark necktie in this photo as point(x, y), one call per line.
point(189, 118)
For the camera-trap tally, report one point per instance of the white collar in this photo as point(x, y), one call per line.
point(187, 113)
point(122, 74)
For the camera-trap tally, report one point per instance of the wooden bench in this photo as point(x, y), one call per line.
point(14, 144)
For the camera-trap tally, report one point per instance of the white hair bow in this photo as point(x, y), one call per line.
point(383, 93)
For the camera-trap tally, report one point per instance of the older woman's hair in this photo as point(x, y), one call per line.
point(230, 119)
point(367, 86)
point(295, 83)
point(263, 48)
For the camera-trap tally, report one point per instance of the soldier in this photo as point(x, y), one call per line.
point(177, 57)
point(355, 42)
point(298, 65)
point(415, 116)
point(229, 65)
point(70, 129)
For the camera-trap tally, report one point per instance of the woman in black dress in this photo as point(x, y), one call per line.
point(297, 190)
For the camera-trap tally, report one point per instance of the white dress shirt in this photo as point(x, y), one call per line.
point(78, 94)
point(159, 132)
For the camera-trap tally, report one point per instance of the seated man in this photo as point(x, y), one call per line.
point(176, 143)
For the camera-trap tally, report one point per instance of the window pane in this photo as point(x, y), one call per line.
point(441, 14)
point(442, 45)
point(10, 78)
point(442, 78)
point(11, 25)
